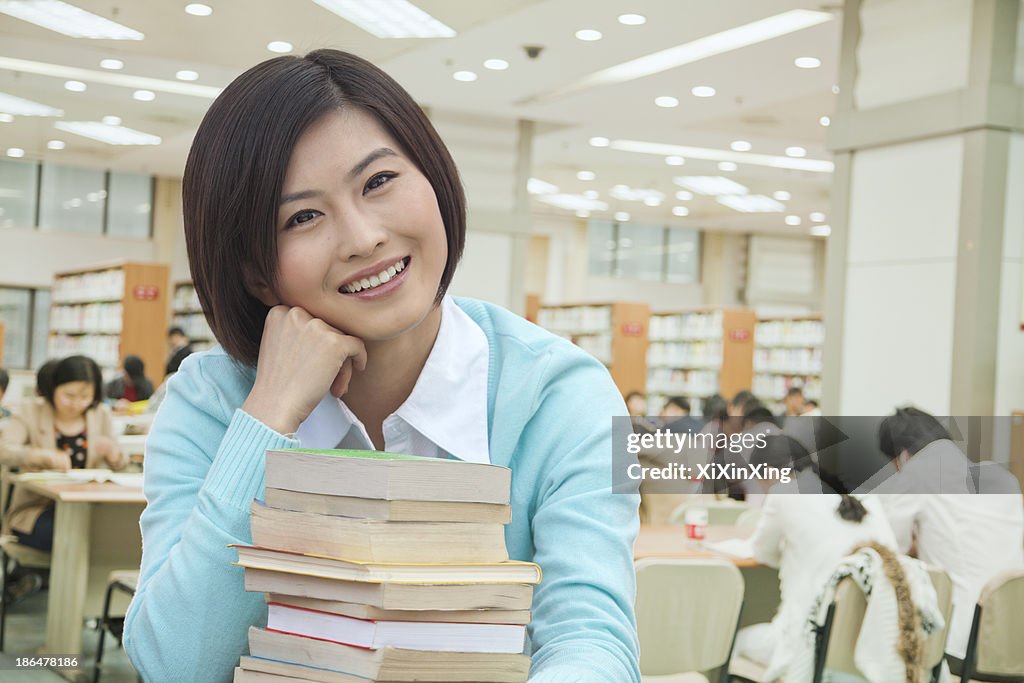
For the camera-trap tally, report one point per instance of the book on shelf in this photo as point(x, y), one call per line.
point(308, 564)
point(412, 635)
point(393, 596)
point(369, 540)
point(389, 664)
point(386, 476)
point(366, 611)
point(390, 510)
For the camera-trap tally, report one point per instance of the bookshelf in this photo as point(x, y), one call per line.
point(188, 315)
point(614, 333)
point(788, 353)
point(696, 353)
point(110, 311)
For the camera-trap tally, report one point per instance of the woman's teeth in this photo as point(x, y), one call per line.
point(375, 280)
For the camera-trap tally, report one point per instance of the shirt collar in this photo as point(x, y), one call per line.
point(448, 404)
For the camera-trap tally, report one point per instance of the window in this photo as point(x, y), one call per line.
point(18, 193)
point(25, 315)
point(130, 205)
point(654, 253)
point(72, 199)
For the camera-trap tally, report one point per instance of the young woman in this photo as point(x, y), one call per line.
point(324, 219)
point(67, 427)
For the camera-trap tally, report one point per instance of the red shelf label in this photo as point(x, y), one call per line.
point(739, 335)
point(146, 292)
point(632, 329)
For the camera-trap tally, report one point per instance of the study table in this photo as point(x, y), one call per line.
point(96, 530)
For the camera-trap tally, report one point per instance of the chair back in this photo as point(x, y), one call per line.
point(687, 612)
point(935, 646)
point(1001, 624)
point(850, 606)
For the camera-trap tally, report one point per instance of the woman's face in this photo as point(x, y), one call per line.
point(361, 241)
point(72, 399)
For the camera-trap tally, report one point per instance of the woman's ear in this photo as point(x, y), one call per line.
point(261, 291)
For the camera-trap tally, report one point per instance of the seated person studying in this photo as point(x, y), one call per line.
point(324, 221)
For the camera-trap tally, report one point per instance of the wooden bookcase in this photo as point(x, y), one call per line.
point(788, 353)
point(698, 352)
point(615, 333)
point(110, 311)
point(189, 316)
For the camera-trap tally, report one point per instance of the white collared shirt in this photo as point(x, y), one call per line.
point(446, 413)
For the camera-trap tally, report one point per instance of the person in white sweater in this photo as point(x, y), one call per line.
point(805, 536)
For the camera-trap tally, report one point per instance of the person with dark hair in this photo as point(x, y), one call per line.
point(68, 427)
point(44, 377)
point(794, 402)
point(131, 385)
point(5, 380)
point(738, 403)
point(324, 219)
point(805, 536)
point(181, 348)
point(933, 506)
point(715, 408)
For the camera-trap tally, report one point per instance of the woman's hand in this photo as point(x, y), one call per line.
point(47, 459)
point(110, 451)
point(301, 359)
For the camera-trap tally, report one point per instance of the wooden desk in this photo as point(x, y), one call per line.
point(96, 530)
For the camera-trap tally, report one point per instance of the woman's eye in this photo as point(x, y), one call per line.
point(302, 217)
point(378, 180)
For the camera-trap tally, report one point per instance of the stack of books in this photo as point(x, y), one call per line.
point(385, 567)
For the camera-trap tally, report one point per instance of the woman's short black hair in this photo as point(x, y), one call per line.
point(236, 168)
point(75, 369)
point(135, 368)
point(680, 402)
point(910, 429)
point(44, 377)
point(715, 407)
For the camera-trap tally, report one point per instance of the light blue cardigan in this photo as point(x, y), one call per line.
point(549, 409)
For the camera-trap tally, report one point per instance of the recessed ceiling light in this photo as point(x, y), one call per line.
point(588, 34)
point(793, 220)
point(538, 186)
point(684, 196)
point(112, 135)
point(751, 203)
point(15, 152)
point(821, 230)
point(797, 152)
point(675, 160)
point(703, 91)
point(6, 118)
point(680, 211)
point(10, 104)
point(652, 201)
point(187, 75)
point(111, 120)
point(464, 76)
point(55, 144)
point(389, 18)
point(67, 19)
point(591, 194)
point(817, 217)
point(582, 213)
point(75, 86)
point(710, 185)
point(781, 195)
point(632, 19)
point(835, 89)
point(825, 121)
point(496, 64)
point(622, 216)
point(666, 101)
point(197, 9)
point(740, 146)
point(585, 175)
point(144, 95)
point(807, 62)
point(112, 64)
point(279, 46)
point(726, 166)
point(599, 142)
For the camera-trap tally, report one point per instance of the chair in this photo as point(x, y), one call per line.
point(994, 645)
point(935, 646)
point(122, 580)
point(687, 615)
point(720, 512)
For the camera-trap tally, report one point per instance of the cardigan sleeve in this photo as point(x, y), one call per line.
point(584, 629)
point(204, 465)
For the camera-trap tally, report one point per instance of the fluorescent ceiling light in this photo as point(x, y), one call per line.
point(108, 78)
point(591, 194)
point(751, 203)
point(538, 186)
point(67, 19)
point(6, 118)
point(22, 107)
point(821, 230)
point(389, 18)
point(712, 186)
point(112, 135)
point(636, 194)
point(573, 202)
point(662, 149)
point(15, 152)
point(598, 141)
point(701, 48)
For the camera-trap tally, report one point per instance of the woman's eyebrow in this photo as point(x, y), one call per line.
point(356, 170)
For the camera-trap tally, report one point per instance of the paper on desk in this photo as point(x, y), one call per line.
point(84, 476)
point(735, 547)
